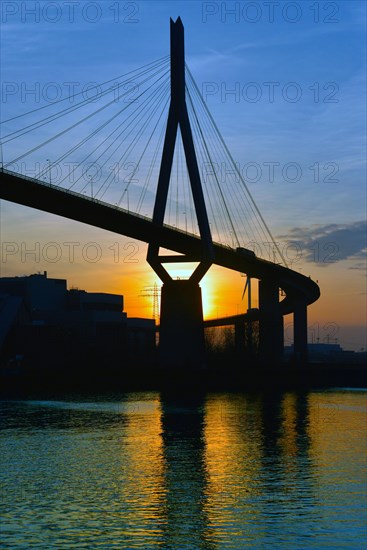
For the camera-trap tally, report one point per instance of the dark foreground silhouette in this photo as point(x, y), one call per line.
point(219, 374)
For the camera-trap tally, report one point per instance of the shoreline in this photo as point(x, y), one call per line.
point(282, 377)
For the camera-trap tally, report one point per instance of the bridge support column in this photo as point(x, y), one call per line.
point(271, 338)
point(181, 339)
point(300, 332)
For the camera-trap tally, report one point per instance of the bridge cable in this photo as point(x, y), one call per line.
point(235, 166)
point(104, 140)
point(137, 137)
point(132, 144)
point(222, 202)
point(206, 159)
point(149, 140)
point(211, 162)
point(32, 111)
point(165, 91)
point(151, 165)
point(201, 152)
point(51, 118)
point(63, 132)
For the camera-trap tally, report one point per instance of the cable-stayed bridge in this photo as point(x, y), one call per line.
point(142, 156)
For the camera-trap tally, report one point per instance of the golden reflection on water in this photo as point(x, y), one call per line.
point(232, 452)
point(255, 459)
point(142, 478)
point(212, 471)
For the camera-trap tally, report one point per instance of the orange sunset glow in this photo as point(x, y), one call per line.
point(104, 262)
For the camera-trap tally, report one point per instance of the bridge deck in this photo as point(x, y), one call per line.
point(68, 204)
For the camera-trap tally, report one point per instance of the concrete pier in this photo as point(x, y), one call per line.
point(181, 339)
point(300, 332)
point(271, 323)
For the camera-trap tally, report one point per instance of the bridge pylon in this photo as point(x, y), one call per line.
point(181, 326)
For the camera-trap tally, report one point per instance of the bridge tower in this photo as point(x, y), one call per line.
point(181, 341)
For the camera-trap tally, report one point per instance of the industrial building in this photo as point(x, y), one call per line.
point(45, 325)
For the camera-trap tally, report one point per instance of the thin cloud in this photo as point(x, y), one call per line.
point(331, 243)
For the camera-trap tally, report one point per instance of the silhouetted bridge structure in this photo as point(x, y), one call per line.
point(300, 291)
point(181, 310)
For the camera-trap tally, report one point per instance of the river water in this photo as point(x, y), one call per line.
point(222, 470)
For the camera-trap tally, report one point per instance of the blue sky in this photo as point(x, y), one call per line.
point(321, 63)
point(285, 83)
